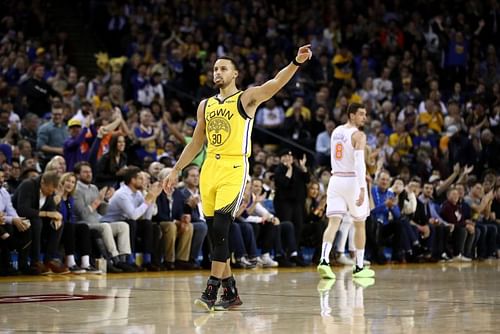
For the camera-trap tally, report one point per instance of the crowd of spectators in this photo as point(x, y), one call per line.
point(82, 157)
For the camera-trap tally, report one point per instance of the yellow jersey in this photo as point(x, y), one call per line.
point(228, 127)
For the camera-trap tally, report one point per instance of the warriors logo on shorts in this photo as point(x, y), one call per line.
point(218, 129)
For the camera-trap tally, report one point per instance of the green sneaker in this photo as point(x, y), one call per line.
point(325, 271)
point(325, 285)
point(363, 272)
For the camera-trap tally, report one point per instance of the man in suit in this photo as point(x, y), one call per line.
point(34, 199)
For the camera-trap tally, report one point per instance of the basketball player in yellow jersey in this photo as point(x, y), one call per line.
point(225, 120)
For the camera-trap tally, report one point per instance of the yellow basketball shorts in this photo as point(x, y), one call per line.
point(222, 184)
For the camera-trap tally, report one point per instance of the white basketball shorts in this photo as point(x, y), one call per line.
point(341, 196)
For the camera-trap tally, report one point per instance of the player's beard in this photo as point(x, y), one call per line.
point(220, 84)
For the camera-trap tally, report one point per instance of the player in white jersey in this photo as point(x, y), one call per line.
point(347, 190)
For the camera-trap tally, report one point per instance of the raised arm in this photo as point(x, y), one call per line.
point(449, 181)
point(254, 96)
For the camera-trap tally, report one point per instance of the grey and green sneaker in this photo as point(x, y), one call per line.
point(362, 272)
point(325, 271)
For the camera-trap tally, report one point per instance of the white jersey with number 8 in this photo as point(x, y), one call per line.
point(342, 156)
point(343, 188)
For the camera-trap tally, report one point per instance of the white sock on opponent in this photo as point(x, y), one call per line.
point(85, 261)
point(325, 252)
point(344, 232)
point(70, 260)
point(360, 256)
point(352, 246)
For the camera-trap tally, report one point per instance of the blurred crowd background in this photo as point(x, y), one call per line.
point(116, 84)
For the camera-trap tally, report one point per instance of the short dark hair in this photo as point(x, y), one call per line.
point(78, 166)
point(51, 178)
point(231, 60)
point(128, 173)
point(353, 108)
point(185, 172)
point(26, 172)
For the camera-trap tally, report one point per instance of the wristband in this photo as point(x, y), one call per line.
point(296, 63)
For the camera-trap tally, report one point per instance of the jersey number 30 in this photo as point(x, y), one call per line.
point(339, 150)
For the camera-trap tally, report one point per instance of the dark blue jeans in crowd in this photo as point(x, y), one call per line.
point(200, 230)
point(287, 242)
point(440, 240)
point(462, 241)
point(265, 235)
point(409, 238)
point(488, 240)
point(428, 242)
point(242, 240)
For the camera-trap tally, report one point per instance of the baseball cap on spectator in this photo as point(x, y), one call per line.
point(285, 151)
point(40, 51)
point(74, 122)
point(433, 178)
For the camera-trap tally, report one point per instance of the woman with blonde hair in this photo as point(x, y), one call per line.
point(56, 164)
point(72, 243)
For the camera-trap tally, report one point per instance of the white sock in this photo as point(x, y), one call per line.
point(294, 254)
point(85, 261)
point(70, 260)
point(352, 246)
point(360, 256)
point(344, 232)
point(325, 252)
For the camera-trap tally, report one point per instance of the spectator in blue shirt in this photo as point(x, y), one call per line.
point(128, 204)
point(386, 212)
point(51, 135)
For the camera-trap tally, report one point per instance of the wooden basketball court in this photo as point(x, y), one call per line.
point(437, 298)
